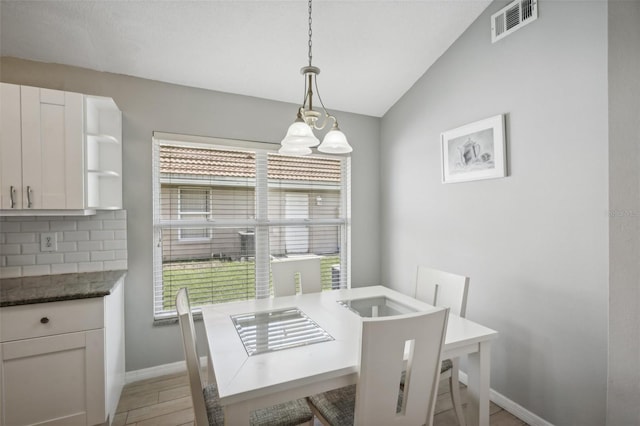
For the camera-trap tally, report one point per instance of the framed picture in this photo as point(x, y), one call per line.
point(474, 151)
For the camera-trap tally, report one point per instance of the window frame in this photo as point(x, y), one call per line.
point(260, 223)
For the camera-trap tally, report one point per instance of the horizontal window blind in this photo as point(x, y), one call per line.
point(223, 213)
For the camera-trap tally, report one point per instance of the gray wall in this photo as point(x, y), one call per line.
point(624, 202)
point(535, 243)
point(149, 106)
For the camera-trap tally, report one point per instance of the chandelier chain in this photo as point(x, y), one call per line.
point(310, 33)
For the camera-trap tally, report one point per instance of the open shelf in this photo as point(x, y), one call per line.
point(101, 138)
point(104, 173)
point(103, 134)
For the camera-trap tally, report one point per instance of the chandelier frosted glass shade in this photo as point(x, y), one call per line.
point(300, 135)
point(335, 142)
point(294, 150)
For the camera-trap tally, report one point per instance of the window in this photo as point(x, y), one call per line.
point(224, 209)
point(193, 204)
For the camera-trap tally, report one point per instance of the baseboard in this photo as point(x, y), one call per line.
point(516, 409)
point(158, 371)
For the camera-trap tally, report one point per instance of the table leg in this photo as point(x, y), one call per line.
point(478, 386)
point(211, 376)
point(237, 414)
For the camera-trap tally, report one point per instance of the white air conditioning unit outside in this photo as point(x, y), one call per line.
point(513, 17)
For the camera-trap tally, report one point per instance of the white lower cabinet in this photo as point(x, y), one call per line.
point(48, 380)
point(62, 363)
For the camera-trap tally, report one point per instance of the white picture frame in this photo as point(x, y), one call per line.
point(474, 151)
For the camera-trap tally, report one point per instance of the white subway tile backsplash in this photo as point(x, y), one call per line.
point(64, 268)
point(112, 265)
point(32, 271)
point(79, 219)
point(20, 237)
point(49, 258)
point(103, 255)
point(34, 226)
point(85, 244)
point(102, 235)
point(105, 215)
point(90, 266)
point(63, 225)
point(115, 245)
point(68, 246)
point(10, 227)
point(31, 248)
point(90, 245)
point(7, 249)
point(11, 272)
point(20, 218)
point(81, 256)
point(45, 218)
point(75, 236)
point(21, 260)
point(90, 225)
point(114, 224)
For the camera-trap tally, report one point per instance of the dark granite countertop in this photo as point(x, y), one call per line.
point(54, 288)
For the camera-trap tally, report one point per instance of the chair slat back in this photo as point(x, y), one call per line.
point(185, 318)
point(284, 275)
point(382, 362)
point(441, 288)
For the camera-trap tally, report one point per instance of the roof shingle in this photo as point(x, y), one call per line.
point(231, 163)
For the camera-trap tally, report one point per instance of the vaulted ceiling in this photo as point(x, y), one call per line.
point(370, 52)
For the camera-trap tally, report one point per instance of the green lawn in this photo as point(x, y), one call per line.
point(236, 280)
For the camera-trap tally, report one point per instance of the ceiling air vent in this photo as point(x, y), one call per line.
point(513, 17)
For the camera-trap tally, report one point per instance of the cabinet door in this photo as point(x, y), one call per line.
point(10, 147)
point(52, 149)
point(55, 380)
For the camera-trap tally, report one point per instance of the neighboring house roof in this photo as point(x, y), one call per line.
point(217, 162)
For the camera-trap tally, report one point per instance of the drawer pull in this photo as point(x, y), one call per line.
point(44, 320)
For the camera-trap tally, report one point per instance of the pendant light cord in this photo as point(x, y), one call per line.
point(315, 79)
point(310, 34)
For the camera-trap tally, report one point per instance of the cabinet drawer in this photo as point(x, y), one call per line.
point(47, 319)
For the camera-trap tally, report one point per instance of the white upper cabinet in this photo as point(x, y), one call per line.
point(10, 147)
point(60, 152)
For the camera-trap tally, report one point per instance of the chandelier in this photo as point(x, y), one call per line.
point(300, 138)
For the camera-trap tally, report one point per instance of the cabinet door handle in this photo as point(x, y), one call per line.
point(29, 203)
point(12, 194)
point(44, 320)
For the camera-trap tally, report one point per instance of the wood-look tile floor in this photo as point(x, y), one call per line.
point(165, 401)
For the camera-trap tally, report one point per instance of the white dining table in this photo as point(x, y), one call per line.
point(246, 383)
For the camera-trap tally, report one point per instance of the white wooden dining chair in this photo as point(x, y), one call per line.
point(206, 401)
point(448, 290)
point(376, 399)
point(283, 272)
